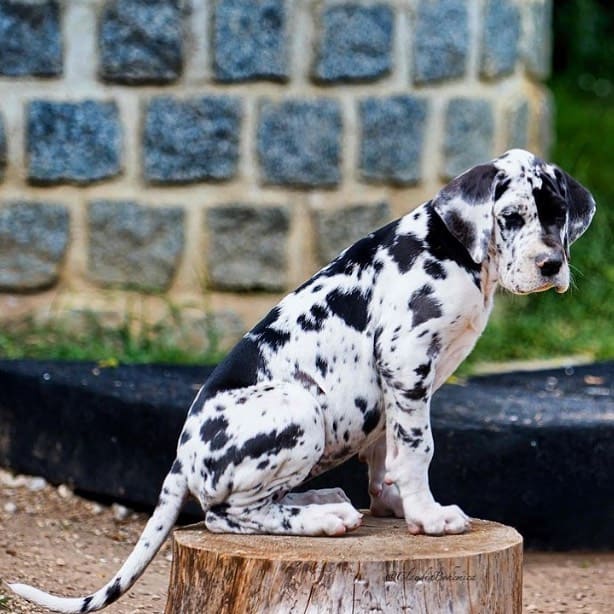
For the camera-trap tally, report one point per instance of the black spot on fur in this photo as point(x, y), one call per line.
point(322, 365)
point(405, 250)
point(501, 188)
point(86, 603)
point(260, 446)
point(238, 370)
point(370, 416)
point(113, 592)
point(475, 185)
point(177, 466)
point(351, 306)
point(358, 257)
point(512, 220)
point(460, 228)
point(314, 320)
point(185, 437)
point(434, 269)
point(413, 440)
point(361, 404)
point(434, 346)
point(371, 420)
point(416, 393)
point(551, 207)
point(423, 370)
point(424, 307)
point(214, 432)
point(362, 253)
point(442, 245)
point(268, 334)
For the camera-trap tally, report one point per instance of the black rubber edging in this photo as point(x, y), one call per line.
point(533, 450)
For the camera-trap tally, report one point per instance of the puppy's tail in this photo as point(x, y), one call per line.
point(174, 491)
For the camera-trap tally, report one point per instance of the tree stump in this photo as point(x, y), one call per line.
point(378, 568)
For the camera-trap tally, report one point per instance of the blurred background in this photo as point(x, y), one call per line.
point(170, 169)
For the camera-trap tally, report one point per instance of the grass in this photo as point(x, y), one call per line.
point(170, 340)
point(537, 326)
point(580, 321)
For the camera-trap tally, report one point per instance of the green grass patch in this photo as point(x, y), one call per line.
point(579, 322)
point(170, 340)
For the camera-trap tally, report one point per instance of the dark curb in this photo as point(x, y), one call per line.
point(533, 450)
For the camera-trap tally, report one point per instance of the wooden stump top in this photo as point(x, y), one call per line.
point(380, 567)
point(378, 539)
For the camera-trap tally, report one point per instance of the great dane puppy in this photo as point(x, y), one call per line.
point(348, 363)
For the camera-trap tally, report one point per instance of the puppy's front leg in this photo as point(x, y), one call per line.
point(409, 444)
point(385, 498)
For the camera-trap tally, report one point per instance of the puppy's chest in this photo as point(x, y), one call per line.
point(458, 339)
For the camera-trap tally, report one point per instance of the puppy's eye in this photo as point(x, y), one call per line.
point(512, 220)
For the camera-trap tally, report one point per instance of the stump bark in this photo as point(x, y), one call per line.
point(378, 568)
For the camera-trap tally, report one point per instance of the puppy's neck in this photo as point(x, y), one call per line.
point(489, 278)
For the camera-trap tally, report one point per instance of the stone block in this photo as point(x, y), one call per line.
point(392, 134)
point(247, 247)
point(76, 142)
point(537, 37)
point(191, 140)
point(338, 229)
point(33, 242)
point(517, 117)
point(134, 246)
point(441, 40)
point(141, 41)
point(500, 36)
point(469, 135)
point(250, 40)
point(299, 142)
point(355, 43)
point(30, 39)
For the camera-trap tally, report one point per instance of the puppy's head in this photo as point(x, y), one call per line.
point(522, 211)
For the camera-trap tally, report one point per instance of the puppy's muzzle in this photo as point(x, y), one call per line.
point(551, 266)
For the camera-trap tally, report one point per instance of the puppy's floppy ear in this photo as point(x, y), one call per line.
point(465, 206)
point(580, 204)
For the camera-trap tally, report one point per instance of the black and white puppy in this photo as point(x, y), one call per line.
point(349, 361)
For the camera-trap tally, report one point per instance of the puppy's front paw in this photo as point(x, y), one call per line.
point(436, 519)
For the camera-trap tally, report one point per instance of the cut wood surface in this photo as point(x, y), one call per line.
point(378, 568)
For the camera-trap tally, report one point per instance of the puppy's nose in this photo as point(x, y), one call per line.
point(550, 264)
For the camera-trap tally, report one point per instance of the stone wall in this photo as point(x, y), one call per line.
point(216, 153)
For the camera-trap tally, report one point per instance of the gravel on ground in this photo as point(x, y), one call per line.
point(58, 541)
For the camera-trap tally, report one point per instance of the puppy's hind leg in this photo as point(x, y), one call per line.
point(280, 519)
point(277, 434)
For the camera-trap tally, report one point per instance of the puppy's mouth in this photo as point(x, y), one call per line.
point(559, 288)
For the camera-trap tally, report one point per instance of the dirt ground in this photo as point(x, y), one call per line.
point(55, 540)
